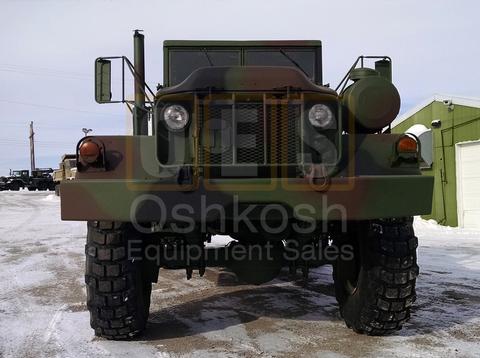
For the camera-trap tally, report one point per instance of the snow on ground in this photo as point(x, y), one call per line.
point(43, 313)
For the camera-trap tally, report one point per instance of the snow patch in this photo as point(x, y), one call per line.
point(43, 313)
point(51, 197)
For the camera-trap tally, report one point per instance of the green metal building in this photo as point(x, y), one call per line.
point(454, 124)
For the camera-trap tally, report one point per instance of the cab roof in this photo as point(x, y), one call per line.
point(249, 43)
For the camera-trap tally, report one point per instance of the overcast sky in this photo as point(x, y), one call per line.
point(48, 49)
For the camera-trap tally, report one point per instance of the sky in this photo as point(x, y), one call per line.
point(48, 49)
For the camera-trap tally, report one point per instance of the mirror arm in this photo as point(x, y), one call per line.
point(136, 76)
point(129, 106)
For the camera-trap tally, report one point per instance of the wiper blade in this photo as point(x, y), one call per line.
point(208, 56)
point(294, 62)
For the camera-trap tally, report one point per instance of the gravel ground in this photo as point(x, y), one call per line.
point(43, 312)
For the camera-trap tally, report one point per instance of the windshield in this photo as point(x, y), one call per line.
point(71, 163)
point(304, 60)
point(184, 62)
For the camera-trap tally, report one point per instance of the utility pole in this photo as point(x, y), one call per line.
point(32, 147)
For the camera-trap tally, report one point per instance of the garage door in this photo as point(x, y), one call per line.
point(468, 184)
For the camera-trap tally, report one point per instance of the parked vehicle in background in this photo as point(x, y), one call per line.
point(17, 179)
point(67, 170)
point(41, 179)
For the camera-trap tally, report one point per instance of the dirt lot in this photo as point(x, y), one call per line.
point(43, 313)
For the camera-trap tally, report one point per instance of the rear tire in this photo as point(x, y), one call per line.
point(376, 289)
point(118, 290)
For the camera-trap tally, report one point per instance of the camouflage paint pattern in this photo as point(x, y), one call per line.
point(369, 179)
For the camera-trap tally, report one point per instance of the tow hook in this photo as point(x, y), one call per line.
point(317, 177)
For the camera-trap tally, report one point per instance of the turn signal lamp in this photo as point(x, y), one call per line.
point(407, 144)
point(89, 151)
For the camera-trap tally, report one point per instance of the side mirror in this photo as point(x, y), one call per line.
point(103, 80)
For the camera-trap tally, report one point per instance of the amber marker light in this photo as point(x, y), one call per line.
point(89, 151)
point(407, 144)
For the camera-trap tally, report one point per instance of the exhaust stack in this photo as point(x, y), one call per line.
point(140, 113)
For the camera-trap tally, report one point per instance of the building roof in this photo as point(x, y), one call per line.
point(460, 100)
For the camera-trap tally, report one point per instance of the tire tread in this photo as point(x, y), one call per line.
point(392, 276)
point(112, 283)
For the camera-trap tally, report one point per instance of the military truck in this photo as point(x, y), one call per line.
point(16, 180)
point(41, 179)
point(3, 181)
point(244, 139)
point(66, 170)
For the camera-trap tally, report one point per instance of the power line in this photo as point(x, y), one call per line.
point(13, 141)
point(44, 69)
point(42, 126)
point(50, 75)
point(43, 146)
point(61, 125)
point(58, 108)
point(46, 74)
point(53, 73)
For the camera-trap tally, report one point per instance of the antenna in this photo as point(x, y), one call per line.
point(86, 131)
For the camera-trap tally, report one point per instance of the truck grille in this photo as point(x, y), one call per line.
point(248, 133)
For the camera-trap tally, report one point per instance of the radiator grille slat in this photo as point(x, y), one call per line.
point(249, 133)
point(283, 133)
point(232, 134)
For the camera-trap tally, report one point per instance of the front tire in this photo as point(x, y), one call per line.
point(376, 288)
point(118, 290)
point(15, 186)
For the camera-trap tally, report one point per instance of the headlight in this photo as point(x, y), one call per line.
point(175, 117)
point(321, 116)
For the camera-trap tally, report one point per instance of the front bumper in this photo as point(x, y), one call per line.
point(348, 198)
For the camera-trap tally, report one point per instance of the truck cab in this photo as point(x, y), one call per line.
point(182, 58)
point(22, 174)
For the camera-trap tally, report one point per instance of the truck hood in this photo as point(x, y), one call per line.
point(242, 78)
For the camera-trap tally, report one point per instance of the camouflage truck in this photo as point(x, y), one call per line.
point(244, 139)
